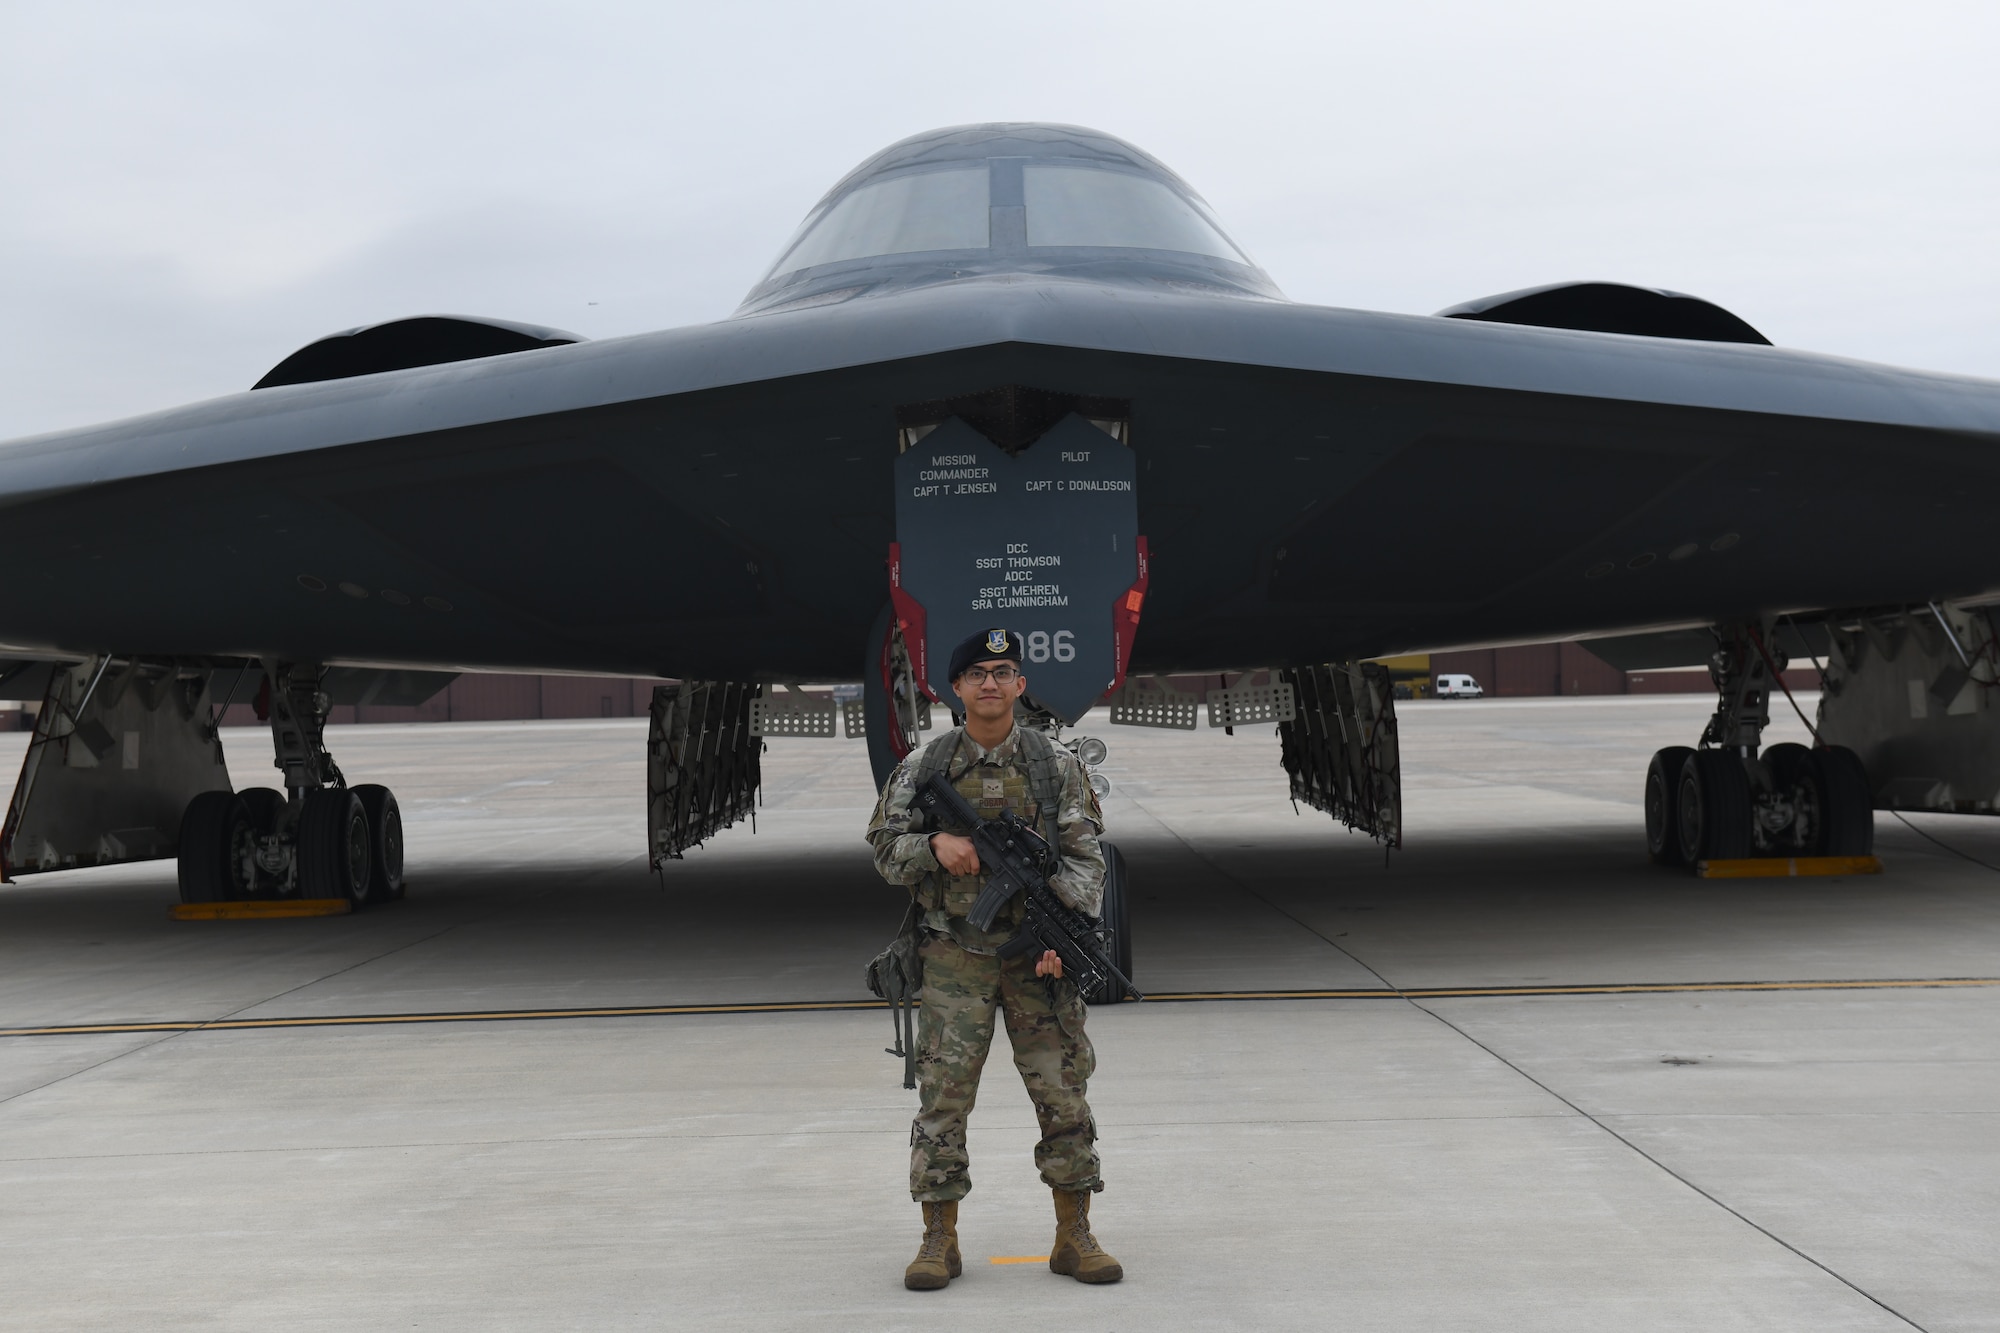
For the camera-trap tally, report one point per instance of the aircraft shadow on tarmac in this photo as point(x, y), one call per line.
point(1298, 910)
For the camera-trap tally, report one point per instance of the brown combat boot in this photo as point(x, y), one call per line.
point(1077, 1253)
point(937, 1261)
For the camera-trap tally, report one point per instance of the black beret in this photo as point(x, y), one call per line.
point(989, 645)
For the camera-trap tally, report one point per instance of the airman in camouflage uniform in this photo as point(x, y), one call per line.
point(966, 984)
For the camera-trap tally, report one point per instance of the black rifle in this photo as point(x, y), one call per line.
point(1019, 860)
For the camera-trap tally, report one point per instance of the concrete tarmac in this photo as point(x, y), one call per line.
point(1818, 1156)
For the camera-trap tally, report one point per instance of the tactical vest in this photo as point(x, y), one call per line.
point(1033, 792)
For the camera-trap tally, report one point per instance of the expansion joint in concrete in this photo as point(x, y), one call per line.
point(1668, 1171)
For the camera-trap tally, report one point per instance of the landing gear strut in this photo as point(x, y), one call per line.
point(894, 707)
point(1723, 800)
point(317, 839)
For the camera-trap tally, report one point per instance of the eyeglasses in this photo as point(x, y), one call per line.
point(1004, 675)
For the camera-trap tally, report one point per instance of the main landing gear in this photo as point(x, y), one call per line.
point(1724, 800)
point(319, 838)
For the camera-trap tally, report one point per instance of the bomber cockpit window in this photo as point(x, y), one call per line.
point(933, 210)
point(1083, 206)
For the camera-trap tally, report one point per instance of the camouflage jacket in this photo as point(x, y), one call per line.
point(990, 780)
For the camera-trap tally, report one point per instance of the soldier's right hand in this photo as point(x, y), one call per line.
point(957, 855)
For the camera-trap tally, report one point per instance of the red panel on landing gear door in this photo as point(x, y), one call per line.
point(909, 614)
point(1125, 615)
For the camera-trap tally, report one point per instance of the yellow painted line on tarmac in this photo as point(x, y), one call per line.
point(260, 909)
point(447, 1016)
point(845, 1006)
point(1018, 1259)
point(1787, 867)
point(1604, 988)
point(1677, 987)
point(1181, 997)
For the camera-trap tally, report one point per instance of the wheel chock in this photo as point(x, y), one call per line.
point(1786, 867)
point(258, 909)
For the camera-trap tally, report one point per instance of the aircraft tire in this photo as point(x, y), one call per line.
point(1796, 776)
point(334, 848)
point(266, 808)
point(1116, 914)
point(882, 758)
point(1714, 807)
point(1663, 786)
point(385, 841)
point(215, 840)
point(1850, 808)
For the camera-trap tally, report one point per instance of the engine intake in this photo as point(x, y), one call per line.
point(1611, 307)
point(402, 344)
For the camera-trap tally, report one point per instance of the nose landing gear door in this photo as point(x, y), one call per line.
point(1044, 542)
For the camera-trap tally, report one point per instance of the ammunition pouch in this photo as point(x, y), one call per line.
point(897, 975)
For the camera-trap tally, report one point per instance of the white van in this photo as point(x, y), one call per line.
point(1457, 687)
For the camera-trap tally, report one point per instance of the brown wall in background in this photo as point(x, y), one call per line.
point(1696, 682)
point(1569, 668)
point(487, 698)
point(1524, 671)
point(1669, 682)
point(595, 696)
point(1539, 670)
point(1584, 672)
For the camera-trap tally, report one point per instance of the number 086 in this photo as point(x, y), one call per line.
point(1042, 645)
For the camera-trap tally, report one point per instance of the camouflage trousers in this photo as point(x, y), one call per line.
point(1044, 1019)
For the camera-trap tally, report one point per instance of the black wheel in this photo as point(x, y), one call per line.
point(882, 756)
point(1796, 780)
point(1663, 787)
point(266, 807)
point(267, 816)
point(1714, 807)
point(333, 849)
point(1117, 918)
point(1850, 805)
point(385, 842)
point(215, 853)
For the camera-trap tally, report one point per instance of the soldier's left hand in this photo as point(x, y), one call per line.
point(1049, 964)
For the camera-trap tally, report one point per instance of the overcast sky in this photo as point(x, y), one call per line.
point(189, 192)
